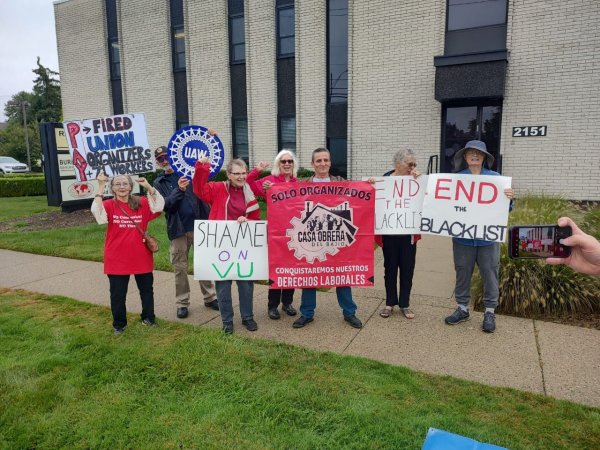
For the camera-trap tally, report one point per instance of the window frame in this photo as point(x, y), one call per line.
point(280, 144)
point(233, 45)
point(477, 27)
point(235, 144)
point(279, 9)
point(111, 58)
point(174, 53)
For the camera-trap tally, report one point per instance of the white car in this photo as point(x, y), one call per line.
point(11, 165)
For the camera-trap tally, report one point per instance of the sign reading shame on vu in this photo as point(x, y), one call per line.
point(228, 250)
point(466, 206)
point(117, 145)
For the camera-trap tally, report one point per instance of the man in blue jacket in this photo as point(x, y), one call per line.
point(182, 207)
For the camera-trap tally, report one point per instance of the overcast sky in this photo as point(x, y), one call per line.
point(26, 32)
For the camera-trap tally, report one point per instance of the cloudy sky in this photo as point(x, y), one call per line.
point(26, 32)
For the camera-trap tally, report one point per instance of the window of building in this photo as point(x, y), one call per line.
point(338, 148)
point(179, 124)
point(337, 51)
point(464, 14)
point(285, 32)
point(287, 133)
point(463, 123)
point(240, 139)
point(115, 59)
point(178, 48)
point(237, 40)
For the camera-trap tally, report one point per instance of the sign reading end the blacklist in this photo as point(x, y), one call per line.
point(466, 206)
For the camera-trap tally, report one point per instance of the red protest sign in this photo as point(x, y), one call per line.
point(320, 234)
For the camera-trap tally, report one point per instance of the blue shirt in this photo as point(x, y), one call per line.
point(477, 242)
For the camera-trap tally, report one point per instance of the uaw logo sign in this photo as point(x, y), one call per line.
point(190, 144)
point(321, 231)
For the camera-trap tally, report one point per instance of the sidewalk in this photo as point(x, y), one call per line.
point(556, 360)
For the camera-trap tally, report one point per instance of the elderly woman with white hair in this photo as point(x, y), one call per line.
point(285, 170)
point(400, 250)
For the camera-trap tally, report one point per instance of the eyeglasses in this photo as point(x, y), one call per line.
point(161, 158)
point(286, 161)
point(238, 174)
point(121, 184)
point(411, 164)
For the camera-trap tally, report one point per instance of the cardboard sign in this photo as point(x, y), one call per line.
point(190, 144)
point(228, 250)
point(320, 234)
point(398, 204)
point(118, 145)
point(466, 206)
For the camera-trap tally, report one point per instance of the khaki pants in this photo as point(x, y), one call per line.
point(179, 250)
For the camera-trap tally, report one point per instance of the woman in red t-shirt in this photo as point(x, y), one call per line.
point(124, 251)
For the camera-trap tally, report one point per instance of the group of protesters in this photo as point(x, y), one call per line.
point(183, 202)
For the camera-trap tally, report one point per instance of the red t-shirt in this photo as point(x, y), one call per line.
point(124, 249)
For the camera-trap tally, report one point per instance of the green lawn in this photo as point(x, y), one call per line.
point(65, 381)
point(13, 207)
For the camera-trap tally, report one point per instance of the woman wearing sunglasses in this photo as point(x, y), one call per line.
point(124, 251)
point(400, 250)
point(285, 170)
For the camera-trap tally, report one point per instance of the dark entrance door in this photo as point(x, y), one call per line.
point(462, 123)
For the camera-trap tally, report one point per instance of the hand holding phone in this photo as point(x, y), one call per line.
point(538, 241)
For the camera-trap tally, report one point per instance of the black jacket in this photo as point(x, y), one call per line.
point(173, 198)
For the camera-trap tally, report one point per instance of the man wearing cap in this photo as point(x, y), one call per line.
point(182, 207)
point(467, 252)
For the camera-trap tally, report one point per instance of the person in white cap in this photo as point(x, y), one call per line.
point(468, 252)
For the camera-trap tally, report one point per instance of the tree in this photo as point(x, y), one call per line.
point(13, 109)
point(46, 105)
point(12, 142)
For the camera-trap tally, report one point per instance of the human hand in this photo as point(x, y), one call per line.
point(183, 183)
point(204, 160)
point(509, 193)
point(371, 181)
point(415, 173)
point(101, 179)
point(242, 219)
point(144, 183)
point(262, 166)
point(267, 184)
point(212, 132)
point(585, 250)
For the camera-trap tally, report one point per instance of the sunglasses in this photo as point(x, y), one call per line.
point(161, 158)
point(286, 161)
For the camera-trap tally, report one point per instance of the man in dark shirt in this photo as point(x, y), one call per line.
point(182, 207)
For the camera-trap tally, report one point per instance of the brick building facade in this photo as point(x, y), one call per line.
point(360, 77)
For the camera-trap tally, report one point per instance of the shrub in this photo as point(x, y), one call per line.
point(22, 186)
point(532, 286)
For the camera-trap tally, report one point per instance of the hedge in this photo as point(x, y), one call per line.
point(22, 186)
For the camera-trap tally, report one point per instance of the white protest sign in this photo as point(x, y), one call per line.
point(398, 204)
point(466, 206)
point(118, 145)
point(228, 250)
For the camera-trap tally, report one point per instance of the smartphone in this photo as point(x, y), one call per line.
point(538, 241)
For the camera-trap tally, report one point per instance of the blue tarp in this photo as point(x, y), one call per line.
point(442, 440)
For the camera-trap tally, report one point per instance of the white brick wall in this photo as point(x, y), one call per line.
point(261, 79)
point(146, 68)
point(392, 81)
point(83, 59)
point(311, 77)
point(554, 80)
point(207, 55)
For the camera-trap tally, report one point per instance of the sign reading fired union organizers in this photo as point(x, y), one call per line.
point(466, 206)
point(320, 234)
point(228, 250)
point(118, 145)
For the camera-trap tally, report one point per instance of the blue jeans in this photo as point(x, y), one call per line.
point(245, 291)
point(308, 301)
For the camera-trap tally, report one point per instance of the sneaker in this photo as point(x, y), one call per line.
point(213, 305)
point(353, 321)
point(250, 324)
point(457, 316)
point(228, 328)
point(182, 312)
point(289, 310)
point(489, 322)
point(302, 321)
point(149, 323)
point(118, 331)
point(274, 314)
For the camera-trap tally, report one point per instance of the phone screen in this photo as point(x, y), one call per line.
point(541, 241)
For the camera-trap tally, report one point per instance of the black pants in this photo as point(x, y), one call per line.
point(118, 294)
point(398, 255)
point(285, 296)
